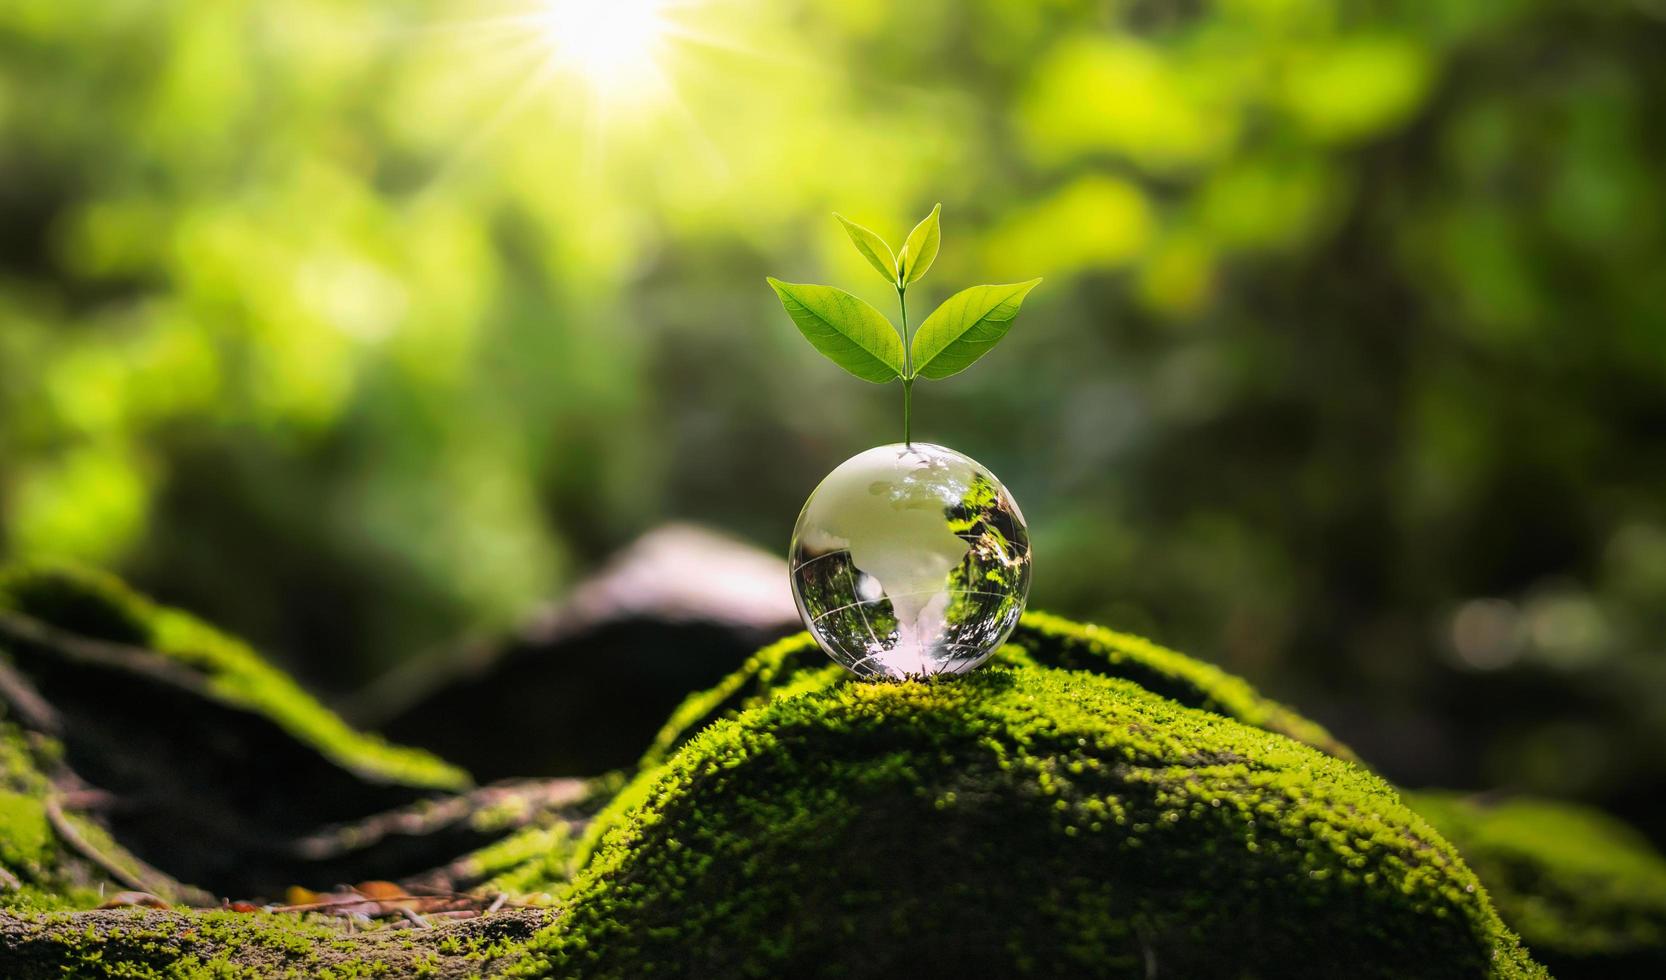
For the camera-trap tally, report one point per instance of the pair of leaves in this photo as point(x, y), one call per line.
point(858, 338)
point(907, 266)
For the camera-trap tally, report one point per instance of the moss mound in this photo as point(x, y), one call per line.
point(796, 665)
point(1019, 820)
point(1586, 892)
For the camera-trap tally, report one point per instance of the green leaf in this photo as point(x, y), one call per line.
point(872, 247)
point(920, 251)
point(845, 328)
point(965, 327)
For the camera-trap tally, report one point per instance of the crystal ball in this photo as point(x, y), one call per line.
point(910, 560)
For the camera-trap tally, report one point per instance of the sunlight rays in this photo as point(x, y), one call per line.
point(613, 46)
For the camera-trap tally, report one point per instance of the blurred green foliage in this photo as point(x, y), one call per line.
point(349, 327)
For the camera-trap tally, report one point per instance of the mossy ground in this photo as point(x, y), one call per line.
point(1586, 892)
point(151, 944)
point(1019, 820)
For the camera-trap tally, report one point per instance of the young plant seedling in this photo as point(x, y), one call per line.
point(860, 339)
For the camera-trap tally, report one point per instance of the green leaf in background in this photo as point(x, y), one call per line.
point(847, 329)
point(872, 247)
point(920, 251)
point(965, 327)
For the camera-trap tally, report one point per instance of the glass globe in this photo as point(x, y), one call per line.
point(910, 560)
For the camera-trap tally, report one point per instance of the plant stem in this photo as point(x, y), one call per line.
point(907, 437)
point(907, 367)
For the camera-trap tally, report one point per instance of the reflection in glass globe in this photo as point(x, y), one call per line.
point(910, 560)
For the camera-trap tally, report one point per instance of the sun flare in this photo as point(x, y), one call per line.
point(612, 45)
point(604, 73)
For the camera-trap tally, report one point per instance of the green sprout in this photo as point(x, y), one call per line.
point(860, 339)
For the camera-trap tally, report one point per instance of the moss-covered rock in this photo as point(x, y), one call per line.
point(199, 757)
point(1586, 892)
point(97, 606)
point(1018, 820)
point(1090, 804)
point(796, 665)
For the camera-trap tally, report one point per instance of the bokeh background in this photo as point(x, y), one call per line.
point(362, 328)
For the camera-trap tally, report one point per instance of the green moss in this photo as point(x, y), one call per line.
point(1586, 892)
point(28, 855)
point(24, 830)
point(82, 601)
point(1054, 642)
point(796, 664)
point(141, 944)
point(99, 606)
point(1018, 820)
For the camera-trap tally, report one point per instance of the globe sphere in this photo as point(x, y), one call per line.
point(910, 560)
